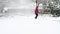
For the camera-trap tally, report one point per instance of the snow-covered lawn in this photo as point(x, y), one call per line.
point(28, 25)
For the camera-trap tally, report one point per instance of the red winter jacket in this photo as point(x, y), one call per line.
point(36, 10)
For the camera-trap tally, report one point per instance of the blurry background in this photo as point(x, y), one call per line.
point(26, 7)
point(17, 6)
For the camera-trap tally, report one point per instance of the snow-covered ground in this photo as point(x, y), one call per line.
point(17, 24)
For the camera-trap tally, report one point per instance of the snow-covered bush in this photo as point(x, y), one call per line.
point(54, 10)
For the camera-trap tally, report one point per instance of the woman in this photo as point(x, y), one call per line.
point(36, 12)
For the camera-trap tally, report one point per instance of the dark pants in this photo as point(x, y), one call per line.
point(36, 15)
